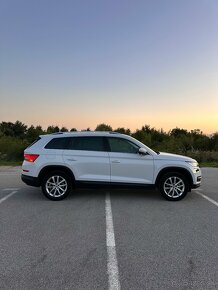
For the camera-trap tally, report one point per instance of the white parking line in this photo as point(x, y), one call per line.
point(7, 196)
point(112, 265)
point(206, 197)
point(9, 173)
point(10, 189)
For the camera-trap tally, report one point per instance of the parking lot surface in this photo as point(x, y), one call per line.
point(107, 239)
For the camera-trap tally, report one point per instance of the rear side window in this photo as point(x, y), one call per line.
point(87, 143)
point(57, 143)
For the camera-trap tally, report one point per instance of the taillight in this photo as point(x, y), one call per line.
point(30, 157)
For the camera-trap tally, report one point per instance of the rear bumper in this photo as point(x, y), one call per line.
point(29, 180)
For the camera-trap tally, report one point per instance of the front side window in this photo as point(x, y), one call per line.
point(122, 145)
point(87, 143)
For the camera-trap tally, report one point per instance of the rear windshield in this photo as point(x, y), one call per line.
point(57, 143)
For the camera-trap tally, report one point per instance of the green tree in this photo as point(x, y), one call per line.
point(52, 129)
point(142, 136)
point(7, 128)
point(122, 130)
point(214, 141)
point(176, 132)
point(64, 129)
point(103, 127)
point(33, 133)
point(17, 129)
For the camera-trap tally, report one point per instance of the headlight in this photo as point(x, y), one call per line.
point(193, 163)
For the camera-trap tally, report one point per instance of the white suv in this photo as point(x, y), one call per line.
point(59, 162)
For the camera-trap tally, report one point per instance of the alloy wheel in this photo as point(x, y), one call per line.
point(174, 187)
point(56, 186)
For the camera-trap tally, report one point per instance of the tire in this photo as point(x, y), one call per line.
point(56, 185)
point(173, 186)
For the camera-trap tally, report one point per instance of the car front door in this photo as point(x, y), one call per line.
point(88, 159)
point(127, 165)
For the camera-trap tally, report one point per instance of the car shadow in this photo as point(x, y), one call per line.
point(31, 193)
point(115, 193)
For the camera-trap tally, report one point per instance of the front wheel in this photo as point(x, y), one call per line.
point(173, 186)
point(56, 185)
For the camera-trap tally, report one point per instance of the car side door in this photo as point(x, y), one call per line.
point(88, 158)
point(127, 165)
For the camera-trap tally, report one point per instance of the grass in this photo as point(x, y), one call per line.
point(209, 164)
point(10, 163)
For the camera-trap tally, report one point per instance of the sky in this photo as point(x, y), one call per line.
point(79, 63)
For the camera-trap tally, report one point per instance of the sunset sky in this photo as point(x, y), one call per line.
point(79, 63)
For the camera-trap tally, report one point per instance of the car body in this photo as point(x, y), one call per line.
point(106, 158)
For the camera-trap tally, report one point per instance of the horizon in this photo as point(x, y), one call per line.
point(92, 129)
point(122, 64)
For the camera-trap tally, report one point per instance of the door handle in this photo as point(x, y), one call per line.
point(115, 161)
point(71, 159)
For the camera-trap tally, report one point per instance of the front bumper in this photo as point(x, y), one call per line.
point(198, 182)
point(196, 177)
point(30, 180)
point(196, 185)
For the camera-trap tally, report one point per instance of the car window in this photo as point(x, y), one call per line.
point(57, 143)
point(122, 145)
point(87, 143)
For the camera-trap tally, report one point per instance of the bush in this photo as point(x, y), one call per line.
point(11, 148)
point(15, 137)
point(204, 156)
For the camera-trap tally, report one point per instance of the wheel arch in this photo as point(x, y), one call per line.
point(50, 168)
point(174, 169)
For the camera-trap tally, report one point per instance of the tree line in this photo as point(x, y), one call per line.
point(15, 137)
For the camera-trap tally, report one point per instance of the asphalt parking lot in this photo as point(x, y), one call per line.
point(100, 239)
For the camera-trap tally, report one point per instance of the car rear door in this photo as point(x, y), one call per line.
point(88, 159)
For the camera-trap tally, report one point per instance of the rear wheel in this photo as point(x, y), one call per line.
point(173, 186)
point(56, 185)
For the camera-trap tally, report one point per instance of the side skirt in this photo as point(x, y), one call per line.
point(95, 184)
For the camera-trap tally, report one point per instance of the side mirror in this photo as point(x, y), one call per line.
point(143, 151)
